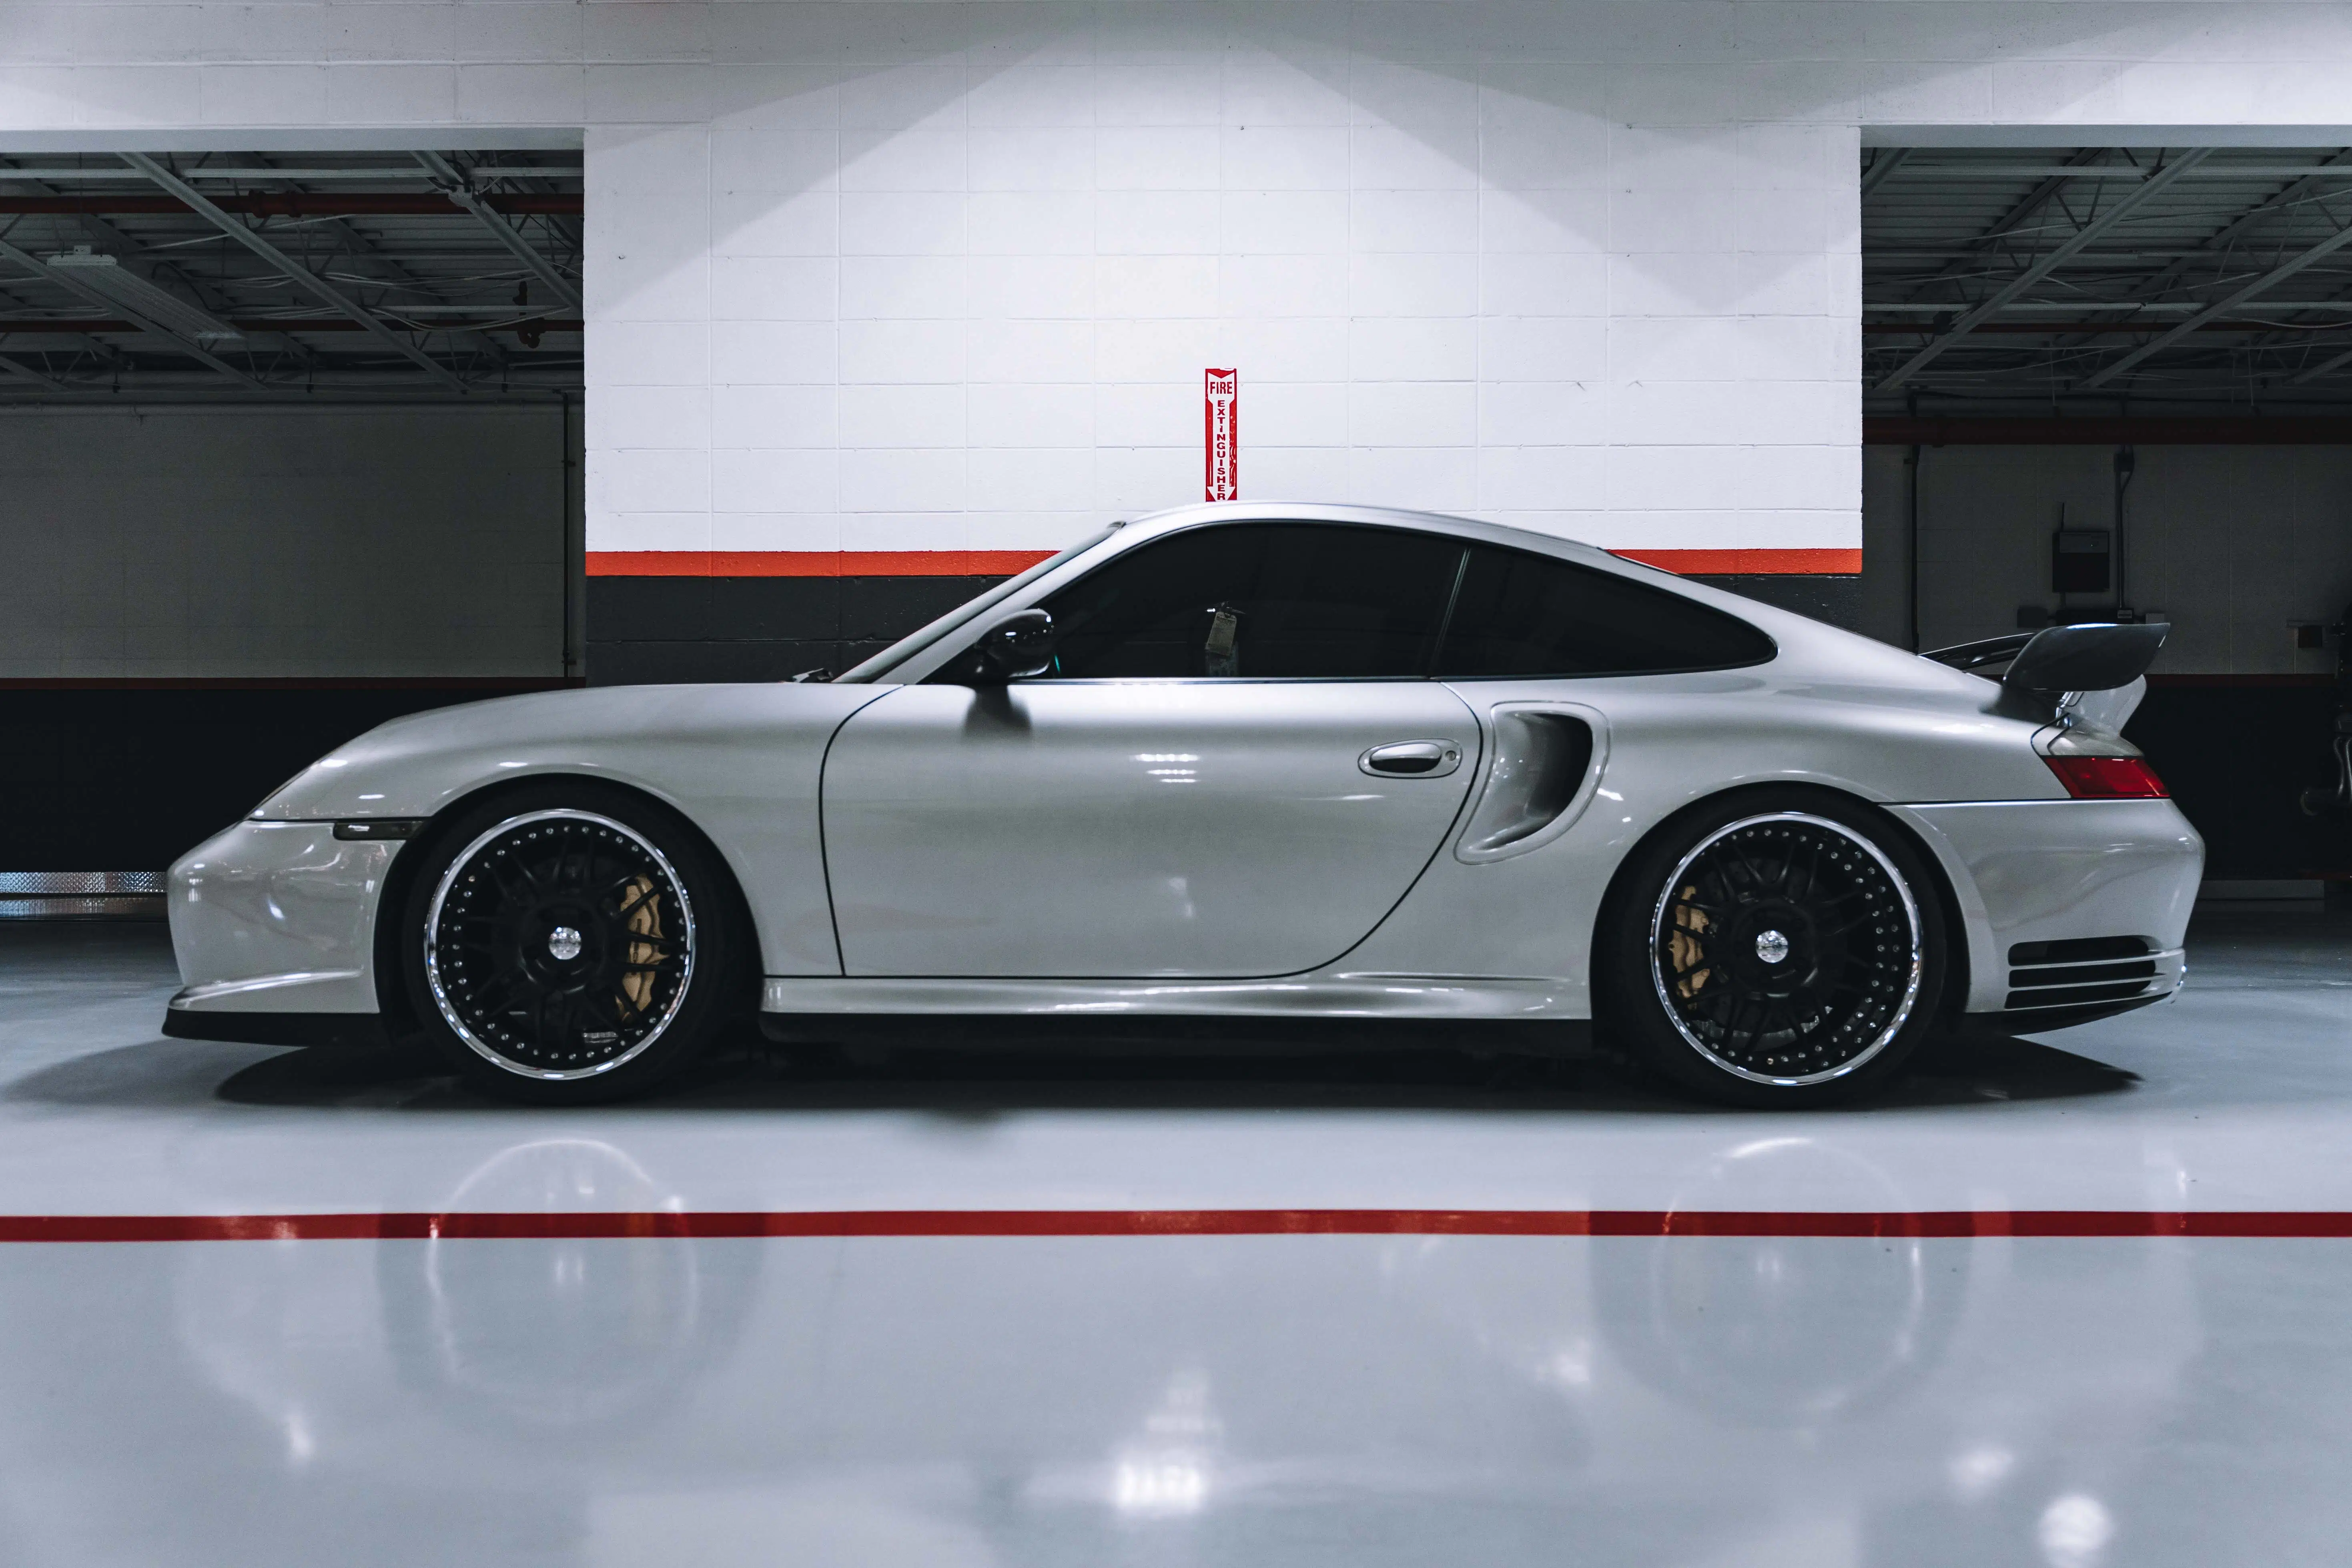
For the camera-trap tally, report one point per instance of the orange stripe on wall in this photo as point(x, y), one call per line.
point(812, 563)
point(1005, 563)
point(1749, 562)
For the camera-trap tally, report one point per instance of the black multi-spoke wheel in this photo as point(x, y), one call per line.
point(564, 948)
point(1776, 955)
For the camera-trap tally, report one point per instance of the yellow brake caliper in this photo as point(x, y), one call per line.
point(637, 985)
point(1684, 946)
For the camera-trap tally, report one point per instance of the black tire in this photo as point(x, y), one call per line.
point(1779, 948)
point(568, 942)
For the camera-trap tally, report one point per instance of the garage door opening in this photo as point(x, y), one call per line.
point(2116, 383)
point(290, 444)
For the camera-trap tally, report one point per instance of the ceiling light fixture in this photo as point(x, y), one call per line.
point(85, 270)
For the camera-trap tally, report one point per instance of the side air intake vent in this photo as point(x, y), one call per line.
point(2088, 950)
point(2078, 973)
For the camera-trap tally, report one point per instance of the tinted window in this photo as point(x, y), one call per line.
point(1530, 614)
point(1289, 599)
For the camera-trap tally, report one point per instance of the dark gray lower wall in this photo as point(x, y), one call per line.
point(1834, 599)
point(2237, 755)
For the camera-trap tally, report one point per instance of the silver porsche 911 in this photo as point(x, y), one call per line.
point(1247, 759)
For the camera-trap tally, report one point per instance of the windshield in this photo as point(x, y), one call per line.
point(914, 642)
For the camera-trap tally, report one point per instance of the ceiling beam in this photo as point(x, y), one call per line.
point(366, 253)
point(2008, 223)
point(128, 253)
point(11, 365)
point(460, 190)
point(1998, 171)
point(2326, 367)
point(253, 325)
point(302, 204)
point(2222, 307)
point(2058, 329)
point(13, 293)
point(1885, 163)
point(262, 170)
point(179, 344)
point(309, 282)
point(2129, 313)
point(2154, 430)
point(2219, 243)
point(2049, 261)
point(1886, 257)
point(2239, 227)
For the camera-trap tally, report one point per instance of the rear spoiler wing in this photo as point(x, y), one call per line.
point(2045, 667)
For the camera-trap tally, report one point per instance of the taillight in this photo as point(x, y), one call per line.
point(2107, 778)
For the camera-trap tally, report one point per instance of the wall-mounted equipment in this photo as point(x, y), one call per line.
point(2082, 561)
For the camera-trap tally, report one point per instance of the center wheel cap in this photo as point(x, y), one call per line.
point(564, 944)
point(1770, 946)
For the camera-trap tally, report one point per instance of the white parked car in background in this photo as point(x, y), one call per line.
point(1297, 761)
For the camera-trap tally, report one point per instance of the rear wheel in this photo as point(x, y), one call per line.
point(1782, 949)
point(568, 944)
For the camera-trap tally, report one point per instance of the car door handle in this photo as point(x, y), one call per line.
point(1412, 759)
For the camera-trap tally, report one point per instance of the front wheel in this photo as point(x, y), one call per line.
point(567, 944)
point(1785, 949)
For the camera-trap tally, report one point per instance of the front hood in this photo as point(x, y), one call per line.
point(654, 738)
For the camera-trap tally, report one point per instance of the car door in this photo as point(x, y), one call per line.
point(1236, 767)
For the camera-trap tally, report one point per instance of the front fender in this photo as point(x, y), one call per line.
point(743, 763)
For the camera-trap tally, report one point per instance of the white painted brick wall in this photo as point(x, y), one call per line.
point(884, 276)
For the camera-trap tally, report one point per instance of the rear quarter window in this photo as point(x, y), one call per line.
point(1519, 613)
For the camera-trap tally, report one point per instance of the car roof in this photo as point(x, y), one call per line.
point(1178, 517)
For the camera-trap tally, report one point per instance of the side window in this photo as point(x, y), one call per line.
point(1519, 613)
point(1264, 600)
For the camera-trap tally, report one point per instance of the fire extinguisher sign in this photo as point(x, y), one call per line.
point(1220, 394)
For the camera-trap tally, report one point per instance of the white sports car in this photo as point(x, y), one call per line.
point(1242, 759)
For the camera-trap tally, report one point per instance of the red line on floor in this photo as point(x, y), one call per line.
point(1007, 1222)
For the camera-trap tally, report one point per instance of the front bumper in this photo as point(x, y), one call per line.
point(276, 918)
point(2036, 880)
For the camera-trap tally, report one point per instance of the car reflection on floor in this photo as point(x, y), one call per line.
point(1366, 1398)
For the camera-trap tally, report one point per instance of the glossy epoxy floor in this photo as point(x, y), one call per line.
point(1335, 1400)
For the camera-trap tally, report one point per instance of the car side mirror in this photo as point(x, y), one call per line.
point(1017, 648)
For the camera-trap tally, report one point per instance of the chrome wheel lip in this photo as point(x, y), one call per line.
point(1911, 913)
point(450, 1014)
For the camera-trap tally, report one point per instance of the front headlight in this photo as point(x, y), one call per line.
point(256, 814)
point(263, 805)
